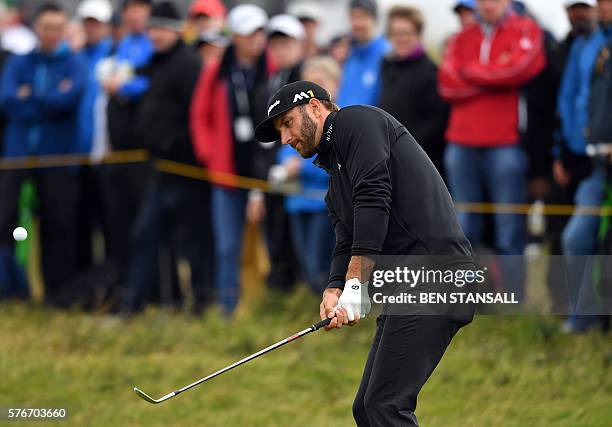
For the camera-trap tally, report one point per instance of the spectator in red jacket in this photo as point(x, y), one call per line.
point(483, 68)
point(230, 97)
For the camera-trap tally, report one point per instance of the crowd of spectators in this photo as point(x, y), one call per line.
point(506, 116)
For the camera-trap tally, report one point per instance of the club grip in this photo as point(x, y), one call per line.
point(321, 324)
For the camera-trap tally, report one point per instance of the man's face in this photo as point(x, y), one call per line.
point(50, 28)
point(581, 17)
point(466, 17)
point(492, 11)
point(209, 52)
point(604, 11)
point(298, 128)
point(202, 22)
point(286, 51)
point(403, 36)
point(311, 27)
point(162, 38)
point(136, 16)
point(252, 45)
point(341, 50)
point(94, 30)
point(362, 25)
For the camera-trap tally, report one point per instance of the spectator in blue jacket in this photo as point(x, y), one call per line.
point(580, 235)
point(40, 93)
point(95, 16)
point(361, 72)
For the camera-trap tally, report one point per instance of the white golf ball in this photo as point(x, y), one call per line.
point(20, 234)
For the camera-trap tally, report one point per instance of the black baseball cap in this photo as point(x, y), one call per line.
point(289, 96)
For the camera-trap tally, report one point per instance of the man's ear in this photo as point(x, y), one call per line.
point(315, 105)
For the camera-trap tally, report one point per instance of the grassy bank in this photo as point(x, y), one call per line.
point(499, 371)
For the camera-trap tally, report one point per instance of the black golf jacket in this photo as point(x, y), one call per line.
point(385, 196)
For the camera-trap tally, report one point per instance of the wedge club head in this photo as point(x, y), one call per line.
point(149, 399)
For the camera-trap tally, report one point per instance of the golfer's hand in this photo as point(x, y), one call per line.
point(355, 301)
point(328, 305)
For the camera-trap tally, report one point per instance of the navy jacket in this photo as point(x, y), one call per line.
point(44, 122)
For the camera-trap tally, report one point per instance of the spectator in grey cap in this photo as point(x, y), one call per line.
point(211, 46)
point(309, 14)
point(360, 83)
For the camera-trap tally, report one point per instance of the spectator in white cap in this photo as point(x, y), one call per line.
point(309, 14)
point(230, 97)
point(95, 17)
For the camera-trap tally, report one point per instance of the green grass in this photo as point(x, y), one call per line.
point(499, 371)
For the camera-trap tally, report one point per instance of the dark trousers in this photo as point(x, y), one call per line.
point(92, 214)
point(556, 277)
point(314, 240)
point(57, 192)
point(284, 265)
point(121, 187)
point(176, 210)
point(405, 351)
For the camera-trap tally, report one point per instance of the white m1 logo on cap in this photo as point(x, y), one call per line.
point(300, 96)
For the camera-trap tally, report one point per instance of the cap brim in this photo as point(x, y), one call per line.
point(266, 132)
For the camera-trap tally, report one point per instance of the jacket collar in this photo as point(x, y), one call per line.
point(227, 62)
point(323, 158)
point(365, 48)
point(178, 46)
point(62, 50)
point(606, 28)
point(486, 27)
point(417, 54)
point(103, 47)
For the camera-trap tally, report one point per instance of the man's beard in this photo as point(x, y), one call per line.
point(582, 27)
point(307, 141)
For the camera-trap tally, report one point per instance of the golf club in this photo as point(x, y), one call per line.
point(311, 328)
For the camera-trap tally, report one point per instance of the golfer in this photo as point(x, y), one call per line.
point(385, 197)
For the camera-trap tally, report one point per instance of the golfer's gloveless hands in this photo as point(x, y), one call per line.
point(328, 306)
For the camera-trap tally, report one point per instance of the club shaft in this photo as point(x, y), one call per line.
point(311, 328)
point(251, 357)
